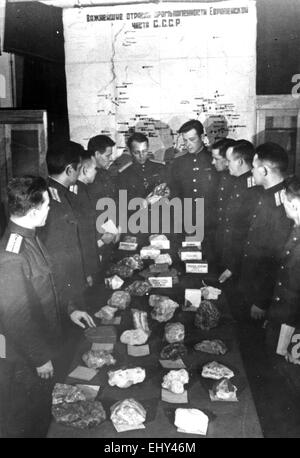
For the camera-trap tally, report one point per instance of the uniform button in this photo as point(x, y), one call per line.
point(194, 180)
point(259, 203)
point(248, 243)
point(254, 216)
point(281, 267)
point(237, 195)
point(222, 189)
point(194, 190)
point(195, 160)
point(277, 299)
point(295, 238)
point(221, 198)
point(287, 252)
point(279, 283)
point(227, 230)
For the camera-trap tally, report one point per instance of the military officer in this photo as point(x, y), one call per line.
point(30, 317)
point(268, 231)
point(61, 234)
point(86, 215)
point(192, 175)
point(243, 198)
point(218, 151)
point(141, 177)
point(285, 304)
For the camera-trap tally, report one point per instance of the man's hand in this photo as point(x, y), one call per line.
point(90, 281)
point(257, 313)
point(46, 371)
point(290, 359)
point(107, 238)
point(225, 275)
point(79, 315)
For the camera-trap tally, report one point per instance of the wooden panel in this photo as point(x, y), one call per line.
point(22, 116)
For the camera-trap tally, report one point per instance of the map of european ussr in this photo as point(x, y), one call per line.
point(151, 67)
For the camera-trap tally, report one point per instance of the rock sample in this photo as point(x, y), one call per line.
point(175, 380)
point(174, 332)
point(163, 307)
point(207, 316)
point(124, 378)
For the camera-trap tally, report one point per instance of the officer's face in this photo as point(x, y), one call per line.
point(219, 161)
point(258, 171)
point(139, 152)
point(234, 162)
point(40, 214)
point(89, 170)
point(74, 173)
point(104, 160)
point(192, 142)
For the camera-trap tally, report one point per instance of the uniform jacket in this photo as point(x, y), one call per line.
point(29, 309)
point(61, 238)
point(242, 200)
point(194, 176)
point(222, 194)
point(86, 217)
point(139, 180)
point(105, 185)
point(285, 304)
point(268, 233)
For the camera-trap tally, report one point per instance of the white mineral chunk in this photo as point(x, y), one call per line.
point(134, 337)
point(175, 380)
point(191, 421)
point(127, 377)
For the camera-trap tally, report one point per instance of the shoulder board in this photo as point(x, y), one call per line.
point(74, 189)
point(54, 194)
point(279, 197)
point(156, 161)
point(250, 182)
point(14, 243)
point(124, 167)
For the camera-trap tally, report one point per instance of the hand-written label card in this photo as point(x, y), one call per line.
point(192, 297)
point(191, 255)
point(174, 398)
point(161, 244)
point(160, 282)
point(102, 346)
point(110, 227)
point(138, 350)
point(83, 373)
point(172, 363)
point(122, 428)
point(115, 321)
point(196, 267)
point(191, 244)
point(128, 246)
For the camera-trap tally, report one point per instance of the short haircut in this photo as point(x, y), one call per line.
point(243, 149)
point(293, 186)
point(25, 193)
point(222, 145)
point(62, 154)
point(99, 143)
point(274, 155)
point(137, 137)
point(87, 158)
point(192, 124)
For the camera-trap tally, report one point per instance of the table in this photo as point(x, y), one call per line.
point(227, 419)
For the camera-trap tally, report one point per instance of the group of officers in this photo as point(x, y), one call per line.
point(51, 254)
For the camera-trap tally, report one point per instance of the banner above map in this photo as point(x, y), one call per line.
point(151, 67)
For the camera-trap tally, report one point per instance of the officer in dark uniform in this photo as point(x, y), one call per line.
point(243, 198)
point(61, 234)
point(141, 177)
point(105, 185)
point(268, 232)
point(30, 320)
point(218, 151)
point(283, 315)
point(193, 176)
point(86, 216)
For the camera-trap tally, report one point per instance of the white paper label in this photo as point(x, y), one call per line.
point(191, 244)
point(161, 244)
point(285, 335)
point(160, 282)
point(2, 346)
point(129, 246)
point(110, 227)
point(193, 296)
point(196, 268)
point(191, 255)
